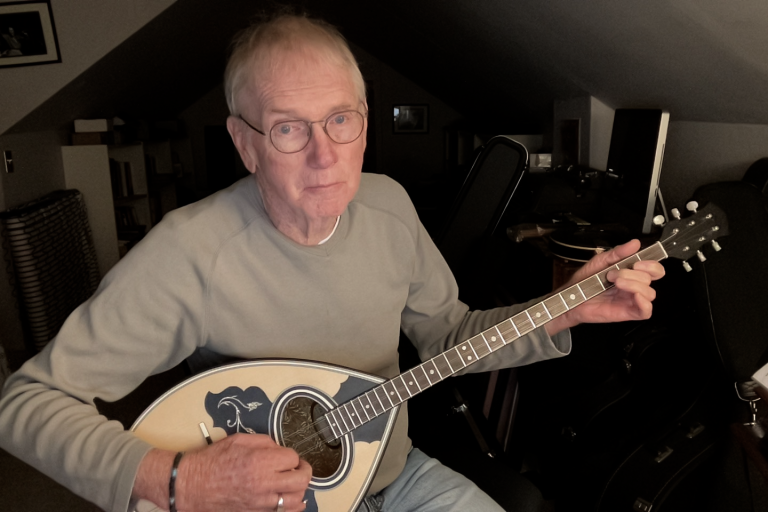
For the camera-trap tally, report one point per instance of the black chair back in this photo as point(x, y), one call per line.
point(483, 198)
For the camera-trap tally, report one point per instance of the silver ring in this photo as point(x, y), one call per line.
point(279, 507)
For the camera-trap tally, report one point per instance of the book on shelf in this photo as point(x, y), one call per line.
point(128, 178)
point(121, 175)
point(115, 174)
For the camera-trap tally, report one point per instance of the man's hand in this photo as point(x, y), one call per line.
point(241, 472)
point(629, 299)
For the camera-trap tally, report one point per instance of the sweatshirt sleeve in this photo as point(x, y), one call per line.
point(145, 318)
point(436, 320)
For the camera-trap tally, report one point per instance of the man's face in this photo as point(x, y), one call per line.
point(320, 180)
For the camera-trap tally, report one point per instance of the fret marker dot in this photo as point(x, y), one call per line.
point(410, 383)
point(493, 338)
point(391, 392)
point(431, 372)
point(469, 358)
point(464, 347)
point(353, 414)
point(572, 296)
point(367, 406)
point(538, 315)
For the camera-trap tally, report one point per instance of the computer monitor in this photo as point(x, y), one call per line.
point(634, 165)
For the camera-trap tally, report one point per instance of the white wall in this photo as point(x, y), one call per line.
point(701, 153)
point(596, 124)
point(87, 30)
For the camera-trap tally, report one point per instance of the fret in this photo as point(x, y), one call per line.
point(592, 287)
point(386, 396)
point(538, 314)
point(603, 278)
point(572, 297)
point(578, 285)
point(333, 423)
point(491, 336)
point(522, 324)
point(401, 387)
point(468, 358)
point(431, 371)
point(455, 359)
point(373, 404)
point(485, 340)
point(627, 263)
point(412, 383)
point(443, 368)
point(340, 413)
point(357, 405)
point(337, 422)
point(564, 303)
point(496, 339)
point(480, 346)
point(514, 327)
point(445, 356)
point(655, 252)
point(353, 417)
point(392, 393)
point(362, 407)
point(421, 377)
point(555, 306)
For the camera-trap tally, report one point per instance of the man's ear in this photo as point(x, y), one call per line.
point(238, 131)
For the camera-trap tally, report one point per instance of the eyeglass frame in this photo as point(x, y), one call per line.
point(309, 125)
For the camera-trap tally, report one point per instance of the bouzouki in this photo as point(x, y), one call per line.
point(339, 419)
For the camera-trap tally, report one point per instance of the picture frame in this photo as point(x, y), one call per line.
point(410, 119)
point(27, 34)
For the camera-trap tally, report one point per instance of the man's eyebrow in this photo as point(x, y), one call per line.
point(336, 108)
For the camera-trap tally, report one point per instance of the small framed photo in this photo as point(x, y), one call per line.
point(27, 34)
point(411, 119)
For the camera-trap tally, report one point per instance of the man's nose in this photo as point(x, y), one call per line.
point(322, 150)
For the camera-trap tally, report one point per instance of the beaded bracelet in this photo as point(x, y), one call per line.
point(172, 483)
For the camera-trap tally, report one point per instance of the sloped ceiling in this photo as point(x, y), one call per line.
point(502, 63)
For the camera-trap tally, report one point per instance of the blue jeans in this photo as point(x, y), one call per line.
point(425, 485)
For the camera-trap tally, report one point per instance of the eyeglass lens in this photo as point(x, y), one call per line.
point(293, 136)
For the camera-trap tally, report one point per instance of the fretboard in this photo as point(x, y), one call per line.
point(363, 408)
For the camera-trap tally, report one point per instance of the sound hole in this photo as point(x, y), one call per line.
point(306, 431)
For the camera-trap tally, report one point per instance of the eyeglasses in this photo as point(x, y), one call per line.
point(293, 136)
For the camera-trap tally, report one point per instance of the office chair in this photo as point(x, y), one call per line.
point(474, 218)
point(483, 198)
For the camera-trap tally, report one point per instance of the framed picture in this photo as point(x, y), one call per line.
point(27, 34)
point(411, 119)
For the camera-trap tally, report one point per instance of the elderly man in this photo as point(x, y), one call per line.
point(306, 259)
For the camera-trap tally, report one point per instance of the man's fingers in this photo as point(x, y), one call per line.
point(295, 479)
point(620, 252)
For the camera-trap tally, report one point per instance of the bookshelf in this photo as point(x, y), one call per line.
point(123, 197)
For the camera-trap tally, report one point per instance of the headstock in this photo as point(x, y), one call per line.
point(684, 238)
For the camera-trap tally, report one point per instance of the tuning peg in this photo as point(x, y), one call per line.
point(675, 213)
point(701, 256)
point(687, 266)
point(691, 206)
point(659, 220)
point(715, 245)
